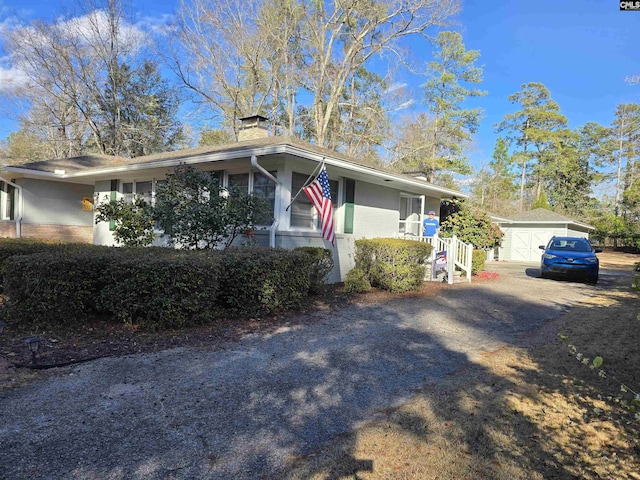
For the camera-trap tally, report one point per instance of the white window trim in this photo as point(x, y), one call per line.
point(421, 215)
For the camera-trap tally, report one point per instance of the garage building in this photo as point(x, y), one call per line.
point(525, 232)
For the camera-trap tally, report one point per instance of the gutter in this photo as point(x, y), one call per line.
point(276, 207)
point(553, 222)
point(20, 205)
point(236, 154)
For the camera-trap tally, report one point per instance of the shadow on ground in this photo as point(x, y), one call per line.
point(284, 404)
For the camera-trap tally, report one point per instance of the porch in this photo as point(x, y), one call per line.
point(448, 254)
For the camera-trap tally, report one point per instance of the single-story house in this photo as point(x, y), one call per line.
point(54, 199)
point(525, 232)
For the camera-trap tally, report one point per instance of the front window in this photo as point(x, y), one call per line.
point(142, 189)
point(145, 190)
point(127, 191)
point(8, 201)
point(570, 245)
point(264, 188)
point(303, 213)
point(239, 181)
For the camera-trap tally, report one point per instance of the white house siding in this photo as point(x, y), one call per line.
point(572, 232)
point(376, 212)
point(342, 253)
point(55, 203)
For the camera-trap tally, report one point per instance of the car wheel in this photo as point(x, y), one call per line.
point(543, 275)
point(592, 279)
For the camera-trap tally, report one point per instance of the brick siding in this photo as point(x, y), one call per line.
point(7, 229)
point(63, 233)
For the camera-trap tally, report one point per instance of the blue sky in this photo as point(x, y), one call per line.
point(582, 51)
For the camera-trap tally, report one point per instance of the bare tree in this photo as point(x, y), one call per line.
point(252, 57)
point(343, 35)
point(83, 75)
point(221, 57)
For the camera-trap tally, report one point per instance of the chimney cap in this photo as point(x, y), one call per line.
point(250, 117)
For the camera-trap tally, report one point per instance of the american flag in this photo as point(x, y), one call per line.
point(319, 192)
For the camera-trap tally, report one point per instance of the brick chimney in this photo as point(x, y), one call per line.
point(252, 127)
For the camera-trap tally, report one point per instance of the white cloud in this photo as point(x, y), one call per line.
point(11, 79)
point(94, 28)
point(395, 87)
point(162, 25)
point(404, 105)
point(91, 29)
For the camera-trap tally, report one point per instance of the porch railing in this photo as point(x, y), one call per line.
point(459, 254)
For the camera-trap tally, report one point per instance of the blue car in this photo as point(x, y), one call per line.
point(570, 257)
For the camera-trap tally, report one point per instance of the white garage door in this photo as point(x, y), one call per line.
point(525, 244)
point(520, 245)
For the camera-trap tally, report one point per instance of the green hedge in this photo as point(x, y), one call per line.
point(261, 280)
point(153, 287)
point(478, 260)
point(392, 264)
point(53, 288)
point(10, 247)
point(321, 265)
point(158, 290)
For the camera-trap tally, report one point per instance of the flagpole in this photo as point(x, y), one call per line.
point(313, 175)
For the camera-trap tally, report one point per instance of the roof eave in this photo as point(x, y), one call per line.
point(241, 153)
point(557, 222)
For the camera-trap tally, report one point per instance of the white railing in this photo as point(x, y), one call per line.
point(459, 254)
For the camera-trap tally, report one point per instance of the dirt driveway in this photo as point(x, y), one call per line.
point(254, 408)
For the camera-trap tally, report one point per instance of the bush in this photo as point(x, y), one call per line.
point(356, 281)
point(10, 247)
point(153, 287)
point(258, 280)
point(392, 264)
point(321, 265)
point(52, 288)
point(160, 290)
point(133, 220)
point(470, 225)
point(478, 260)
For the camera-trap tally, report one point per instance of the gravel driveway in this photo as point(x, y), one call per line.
point(246, 411)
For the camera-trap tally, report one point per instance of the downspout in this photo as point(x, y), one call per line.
point(20, 205)
point(276, 206)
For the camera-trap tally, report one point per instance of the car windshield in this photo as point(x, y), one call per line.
point(570, 245)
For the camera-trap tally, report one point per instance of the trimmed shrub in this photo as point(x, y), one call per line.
point(478, 260)
point(321, 265)
point(256, 281)
point(356, 281)
point(393, 264)
point(157, 291)
point(153, 287)
point(52, 287)
point(10, 247)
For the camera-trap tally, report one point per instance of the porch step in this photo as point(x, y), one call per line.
point(441, 276)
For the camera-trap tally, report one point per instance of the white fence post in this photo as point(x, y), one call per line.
point(452, 258)
point(469, 260)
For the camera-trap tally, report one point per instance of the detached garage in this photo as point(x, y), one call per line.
point(524, 233)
